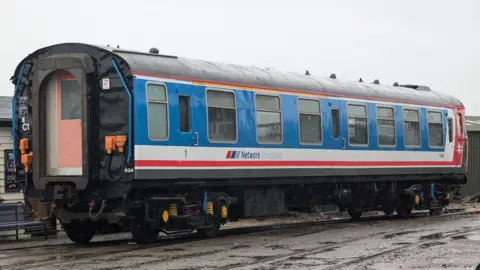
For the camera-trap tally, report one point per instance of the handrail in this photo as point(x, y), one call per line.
point(129, 111)
point(14, 120)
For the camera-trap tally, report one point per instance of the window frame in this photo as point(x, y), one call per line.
point(256, 114)
point(158, 102)
point(366, 116)
point(443, 128)
point(189, 113)
point(235, 109)
point(298, 119)
point(419, 126)
point(394, 125)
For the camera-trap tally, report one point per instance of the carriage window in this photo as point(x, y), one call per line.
point(357, 124)
point(335, 133)
point(310, 121)
point(385, 126)
point(184, 108)
point(411, 124)
point(460, 124)
point(157, 110)
point(269, 119)
point(222, 116)
point(435, 129)
point(71, 100)
point(450, 130)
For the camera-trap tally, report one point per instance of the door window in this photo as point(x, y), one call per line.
point(71, 100)
point(184, 108)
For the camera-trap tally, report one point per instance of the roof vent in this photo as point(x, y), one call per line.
point(376, 82)
point(154, 50)
point(417, 87)
point(395, 84)
point(333, 76)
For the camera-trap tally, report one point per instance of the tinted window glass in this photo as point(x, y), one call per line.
point(357, 124)
point(450, 130)
point(157, 108)
point(435, 129)
point(460, 124)
point(184, 108)
point(310, 121)
point(411, 126)
point(222, 116)
point(385, 126)
point(71, 100)
point(269, 119)
point(335, 131)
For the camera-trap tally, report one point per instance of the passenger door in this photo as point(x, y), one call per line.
point(450, 135)
point(459, 136)
point(334, 134)
point(64, 122)
point(187, 136)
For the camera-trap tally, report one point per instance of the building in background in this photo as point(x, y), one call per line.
point(9, 191)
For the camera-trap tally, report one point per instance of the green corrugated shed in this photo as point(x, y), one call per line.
point(473, 130)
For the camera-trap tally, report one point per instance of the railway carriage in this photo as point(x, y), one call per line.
point(127, 140)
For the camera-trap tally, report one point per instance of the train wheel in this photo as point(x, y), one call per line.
point(436, 212)
point(354, 213)
point(210, 232)
point(404, 211)
point(142, 233)
point(80, 232)
point(388, 209)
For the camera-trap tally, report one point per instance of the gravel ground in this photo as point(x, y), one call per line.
point(450, 241)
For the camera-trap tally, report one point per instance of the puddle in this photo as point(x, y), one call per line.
point(459, 237)
point(431, 236)
point(427, 245)
point(327, 243)
point(403, 243)
point(240, 246)
point(397, 234)
point(274, 247)
point(297, 258)
point(173, 249)
point(328, 250)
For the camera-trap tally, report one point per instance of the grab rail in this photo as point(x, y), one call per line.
point(129, 111)
point(14, 120)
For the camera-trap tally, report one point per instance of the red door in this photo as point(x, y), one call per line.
point(459, 136)
point(64, 131)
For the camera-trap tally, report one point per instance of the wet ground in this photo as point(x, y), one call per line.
point(450, 241)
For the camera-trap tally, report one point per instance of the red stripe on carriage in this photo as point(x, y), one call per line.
point(278, 163)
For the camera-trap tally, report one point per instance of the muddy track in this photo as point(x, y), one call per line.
point(249, 229)
point(429, 240)
point(328, 247)
point(71, 253)
point(65, 255)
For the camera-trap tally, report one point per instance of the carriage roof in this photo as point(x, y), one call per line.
point(200, 70)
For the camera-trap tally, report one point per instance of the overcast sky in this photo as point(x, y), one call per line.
point(434, 43)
